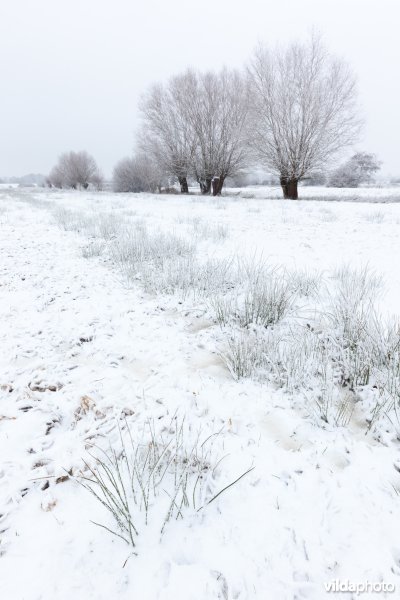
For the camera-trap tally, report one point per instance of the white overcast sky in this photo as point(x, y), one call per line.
point(72, 70)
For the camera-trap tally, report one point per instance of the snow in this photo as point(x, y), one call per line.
point(81, 351)
point(362, 194)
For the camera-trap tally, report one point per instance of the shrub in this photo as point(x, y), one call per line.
point(76, 170)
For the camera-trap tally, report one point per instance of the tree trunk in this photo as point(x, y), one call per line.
point(292, 189)
point(221, 184)
point(218, 184)
point(184, 185)
point(284, 186)
point(205, 186)
point(215, 185)
point(289, 188)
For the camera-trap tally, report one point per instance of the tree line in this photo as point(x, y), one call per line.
point(291, 111)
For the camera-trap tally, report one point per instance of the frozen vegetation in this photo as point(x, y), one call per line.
point(199, 397)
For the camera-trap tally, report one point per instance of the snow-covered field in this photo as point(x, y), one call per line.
point(128, 315)
point(362, 194)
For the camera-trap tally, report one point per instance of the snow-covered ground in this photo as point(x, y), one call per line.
point(87, 350)
point(363, 194)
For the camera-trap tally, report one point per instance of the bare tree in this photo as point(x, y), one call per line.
point(97, 181)
point(76, 170)
point(137, 174)
point(216, 110)
point(165, 134)
point(195, 125)
point(126, 178)
point(57, 177)
point(303, 111)
point(360, 168)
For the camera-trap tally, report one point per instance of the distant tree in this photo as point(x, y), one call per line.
point(240, 180)
point(126, 177)
point(315, 178)
point(75, 170)
point(151, 172)
point(303, 111)
point(97, 180)
point(137, 174)
point(360, 168)
point(57, 177)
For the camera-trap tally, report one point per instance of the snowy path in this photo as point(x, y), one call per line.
point(78, 351)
